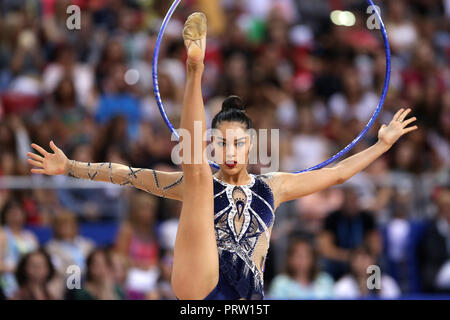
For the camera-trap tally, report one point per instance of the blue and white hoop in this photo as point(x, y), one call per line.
point(319, 166)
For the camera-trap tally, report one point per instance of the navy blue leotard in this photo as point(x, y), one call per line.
point(243, 217)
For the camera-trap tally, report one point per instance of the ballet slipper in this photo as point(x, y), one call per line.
point(194, 35)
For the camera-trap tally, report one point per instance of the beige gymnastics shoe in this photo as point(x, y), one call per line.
point(194, 35)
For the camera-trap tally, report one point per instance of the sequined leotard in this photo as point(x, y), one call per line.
point(243, 217)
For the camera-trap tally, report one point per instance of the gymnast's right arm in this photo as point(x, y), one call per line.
point(161, 184)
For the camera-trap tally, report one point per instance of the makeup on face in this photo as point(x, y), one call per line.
point(232, 150)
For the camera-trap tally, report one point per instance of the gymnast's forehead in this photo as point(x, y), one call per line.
point(231, 131)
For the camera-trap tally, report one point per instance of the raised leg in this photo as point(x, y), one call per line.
point(196, 261)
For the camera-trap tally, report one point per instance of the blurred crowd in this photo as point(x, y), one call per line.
point(90, 90)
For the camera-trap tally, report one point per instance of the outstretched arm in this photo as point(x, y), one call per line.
point(158, 183)
point(289, 186)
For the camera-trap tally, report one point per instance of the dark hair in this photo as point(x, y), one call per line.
point(364, 249)
point(11, 203)
point(21, 272)
point(290, 251)
point(58, 91)
point(233, 110)
point(90, 261)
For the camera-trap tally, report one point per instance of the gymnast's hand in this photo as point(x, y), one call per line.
point(389, 134)
point(52, 163)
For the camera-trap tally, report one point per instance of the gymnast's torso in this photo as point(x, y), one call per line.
point(243, 218)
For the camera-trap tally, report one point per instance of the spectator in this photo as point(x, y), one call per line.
point(17, 242)
point(167, 232)
point(119, 268)
point(308, 147)
point(401, 28)
point(2, 258)
point(434, 248)
point(67, 66)
point(2, 295)
point(100, 283)
point(353, 102)
point(118, 101)
point(67, 247)
point(137, 242)
point(399, 240)
point(163, 289)
point(355, 284)
point(14, 143)
point(34, 273)
point(303, 278)
point(65, 114)
point(344, 230)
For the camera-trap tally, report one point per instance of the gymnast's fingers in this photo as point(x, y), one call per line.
point(397, 115)
point(406, 122)
point(36, 163)
point(410, 129)
point(40, 149)
point(39, 171)
point(53, 146)
point(35, 156)
point(404, 114)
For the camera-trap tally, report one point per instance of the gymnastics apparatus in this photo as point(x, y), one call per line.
point(316, 167)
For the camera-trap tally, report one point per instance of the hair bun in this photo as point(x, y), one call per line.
point(233, 103)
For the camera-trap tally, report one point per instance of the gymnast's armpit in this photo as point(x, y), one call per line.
point(158, 183)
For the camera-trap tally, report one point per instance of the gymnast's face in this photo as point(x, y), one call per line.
point(231, 144)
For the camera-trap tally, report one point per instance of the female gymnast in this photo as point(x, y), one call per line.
point(226, 218)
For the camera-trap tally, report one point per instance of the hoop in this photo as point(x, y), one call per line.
point(316, 167)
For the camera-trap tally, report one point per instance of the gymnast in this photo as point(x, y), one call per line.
point(226, 219)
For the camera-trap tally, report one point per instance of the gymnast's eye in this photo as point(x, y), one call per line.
point(240, 144)
point(221, 144)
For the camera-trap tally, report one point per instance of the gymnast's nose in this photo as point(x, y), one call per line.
point(231, 152)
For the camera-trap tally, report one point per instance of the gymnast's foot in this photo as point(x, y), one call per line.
point(194, 35)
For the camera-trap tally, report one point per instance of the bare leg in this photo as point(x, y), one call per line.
point(196, 261)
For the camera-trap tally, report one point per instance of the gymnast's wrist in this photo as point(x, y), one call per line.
point(383, 146)
point(69, 166)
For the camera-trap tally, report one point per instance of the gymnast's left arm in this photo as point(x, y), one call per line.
point(290, 186)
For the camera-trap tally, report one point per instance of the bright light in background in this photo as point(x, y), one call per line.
point(132, 77)
point(343, 18)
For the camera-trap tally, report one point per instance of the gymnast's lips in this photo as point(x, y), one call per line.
point(231, 164)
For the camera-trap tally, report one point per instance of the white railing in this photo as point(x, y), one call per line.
point(41, 182)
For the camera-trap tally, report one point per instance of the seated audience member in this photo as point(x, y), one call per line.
point(67, 247)
point(14, 244)
point(344, 230)
point(34, 274)
point(167, 230)
point(399, 239)
point(119, 268)
point(2, 252)
point(302, 278)
point(99, 283)
point(355, 284)
point(434, 249)
point(2, 255)
point(137, 242)
point(163, 290)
